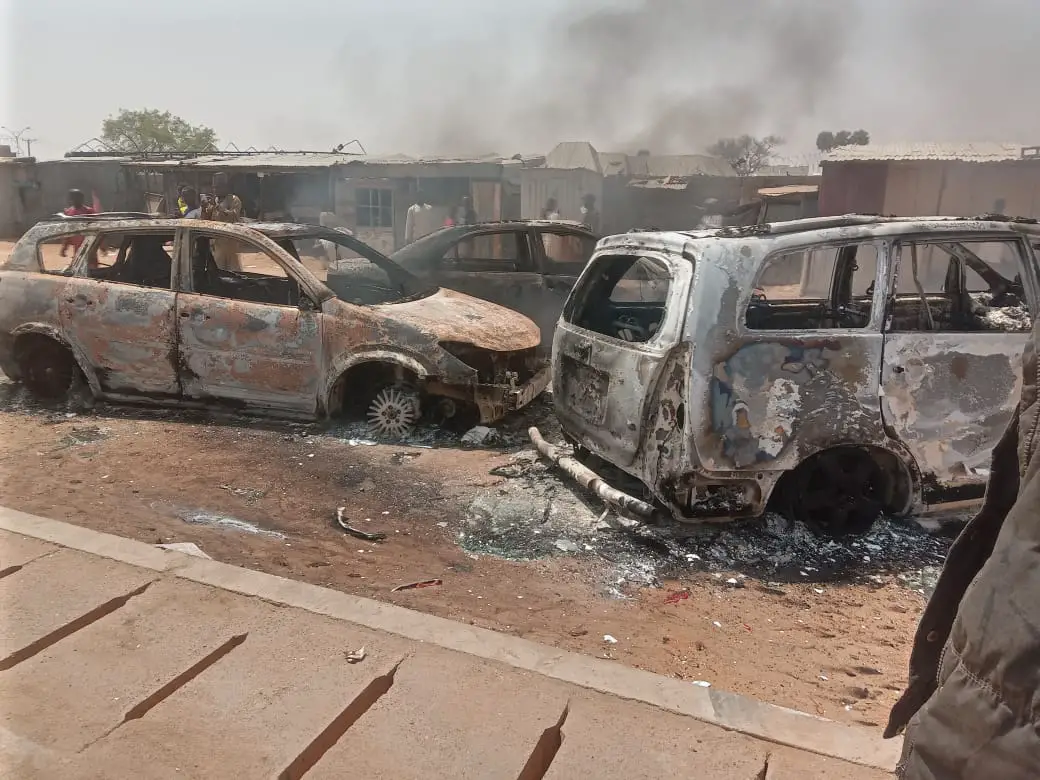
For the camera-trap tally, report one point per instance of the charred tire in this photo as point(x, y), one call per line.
point(838, 492)
point(394, 410)
point(47, 368)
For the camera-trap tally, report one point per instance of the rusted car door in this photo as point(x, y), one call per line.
point(955, 331)
point(118, 311)
point(617, 330)
point(801, 374)
point(249, 337)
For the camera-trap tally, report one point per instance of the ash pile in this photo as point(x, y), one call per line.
point(533, 514)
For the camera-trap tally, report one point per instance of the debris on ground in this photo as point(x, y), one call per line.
point(609, 639)
point(567, 545)
point(188, 548)
point(80, 435)
point(701, 683)
point(480, 436)
point(225, 521)
point(341, 521)
point(533, 513)
point(251, 495)
point(356, 656)
point(675, 596)
point(416, 585)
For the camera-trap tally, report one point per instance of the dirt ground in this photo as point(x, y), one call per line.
point(828, 638)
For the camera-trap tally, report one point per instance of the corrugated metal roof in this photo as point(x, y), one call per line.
point(298, 160)
point(571, 155)
point(660, 183)
point(962, 152)
point(678, 165)
point(789, 189)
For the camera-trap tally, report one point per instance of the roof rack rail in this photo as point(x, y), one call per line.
point(103, 215)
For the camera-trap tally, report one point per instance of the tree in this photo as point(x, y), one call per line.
point(746, 154)
point(826, 141)
point(149, 130)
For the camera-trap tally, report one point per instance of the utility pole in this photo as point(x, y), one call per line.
point(28, 146)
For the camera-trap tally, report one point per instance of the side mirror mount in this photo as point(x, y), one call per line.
point(306, 304)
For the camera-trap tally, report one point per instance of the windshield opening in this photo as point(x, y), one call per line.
point(355, 272)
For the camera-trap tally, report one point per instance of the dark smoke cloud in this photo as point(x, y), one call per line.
point(676, 75)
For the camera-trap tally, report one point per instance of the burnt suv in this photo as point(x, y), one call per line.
point(842, 367)
point(140, 310)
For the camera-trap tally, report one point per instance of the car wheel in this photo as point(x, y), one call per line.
point(394, 411)
point(839, 492)
point(47, 369)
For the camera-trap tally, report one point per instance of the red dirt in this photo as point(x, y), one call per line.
point(133, 482)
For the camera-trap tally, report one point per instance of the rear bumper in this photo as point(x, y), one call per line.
point(590, 480)
point(496, 401)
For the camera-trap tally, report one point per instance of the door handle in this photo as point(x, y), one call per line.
point(898, 369)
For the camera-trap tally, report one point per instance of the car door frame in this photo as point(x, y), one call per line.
point(775, 396)
point(99, 319)
point(251, 355)
point(604, 385)
point(516, 288)
point(927, 427)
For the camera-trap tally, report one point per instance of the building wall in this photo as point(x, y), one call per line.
point(853, 188)
point(962, 189)
point(31, 191)
point(568, 186)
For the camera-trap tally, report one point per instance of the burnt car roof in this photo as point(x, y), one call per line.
point(434, 242)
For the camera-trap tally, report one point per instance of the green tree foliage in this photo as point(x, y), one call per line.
point(827, 140)
point(150, 130)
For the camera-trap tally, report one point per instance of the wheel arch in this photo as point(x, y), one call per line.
point(40, 329)
point(344, 367)
point(900, 470)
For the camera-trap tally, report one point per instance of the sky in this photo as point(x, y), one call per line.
point(518, 76)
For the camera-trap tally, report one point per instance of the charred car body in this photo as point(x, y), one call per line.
point(142, 312)
point(842, 367)
point(527, 265)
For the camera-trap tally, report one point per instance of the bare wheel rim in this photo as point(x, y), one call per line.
point(393, 411)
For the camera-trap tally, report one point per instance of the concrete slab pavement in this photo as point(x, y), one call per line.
point(127, 661)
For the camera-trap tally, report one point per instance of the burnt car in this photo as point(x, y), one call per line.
point(529, 265)
point(140, 310)
point(837, 367)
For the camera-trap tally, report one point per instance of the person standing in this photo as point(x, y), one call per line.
point(551, 210)
point(224, 206)
point(77, 207)
point(190, 198)
point(551, 241)
point(465, 214)
point(970, 711)
point(419, 221)
point(589, 213)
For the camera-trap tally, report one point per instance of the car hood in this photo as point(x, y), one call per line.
point(453, 316)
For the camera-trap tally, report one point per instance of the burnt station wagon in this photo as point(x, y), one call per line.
point(840, 367)
point(139, 310)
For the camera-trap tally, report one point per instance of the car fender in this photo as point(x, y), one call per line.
point(345, 362)
point(53, 332)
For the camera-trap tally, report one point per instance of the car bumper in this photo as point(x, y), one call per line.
point(496, 401)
